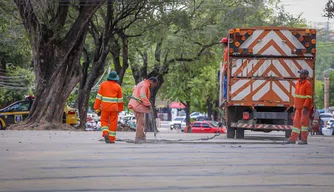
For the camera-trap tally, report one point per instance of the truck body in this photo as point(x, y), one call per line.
point(262, 73)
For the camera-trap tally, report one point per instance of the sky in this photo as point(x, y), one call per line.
point(312, 9)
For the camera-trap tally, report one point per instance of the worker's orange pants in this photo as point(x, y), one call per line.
point(300, 123)
point(110, 117)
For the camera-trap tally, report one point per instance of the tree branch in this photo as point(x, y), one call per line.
point(108, 26)
point(199, 54)
point(85, 66)
point(28, 16)
point(94, 32)
point(80, 23)
point(63, 6)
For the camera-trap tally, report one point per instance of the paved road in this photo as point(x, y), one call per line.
point(77, 161)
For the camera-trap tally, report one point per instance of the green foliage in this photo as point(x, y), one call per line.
point(324, 58)
point(331, 88)
point(319, 91)
point(15, 84)
point(14, 42)
point(127, 87)
point(319, 94)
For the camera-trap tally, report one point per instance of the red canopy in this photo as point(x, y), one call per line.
point(178, 105)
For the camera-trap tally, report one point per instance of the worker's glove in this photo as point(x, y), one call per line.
point(97, 110)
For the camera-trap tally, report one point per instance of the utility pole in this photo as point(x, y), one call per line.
point(326, 99)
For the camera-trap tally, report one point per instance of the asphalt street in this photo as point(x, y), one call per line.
point(79, 161)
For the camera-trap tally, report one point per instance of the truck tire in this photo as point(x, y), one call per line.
point(288, 133)
point(230, 132)
point(240, 133)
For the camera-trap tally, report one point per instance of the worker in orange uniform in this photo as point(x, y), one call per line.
point(141, 105)
point(224, 42)
point(302, 105)
point(109, 100)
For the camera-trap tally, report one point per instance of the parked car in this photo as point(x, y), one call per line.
point(19, 111)
point(206, 127)
point(194, 115)
point(178, 123)
point(323, 118)
point(201, 118)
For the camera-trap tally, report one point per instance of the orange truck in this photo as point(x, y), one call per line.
point(262, 72)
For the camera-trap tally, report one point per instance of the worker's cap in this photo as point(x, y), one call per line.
point(224, 40)
point(303, 71)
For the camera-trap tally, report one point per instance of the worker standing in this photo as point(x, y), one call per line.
point(110, 101)
point(141, 105)
point(224, 42)
point(302, 105)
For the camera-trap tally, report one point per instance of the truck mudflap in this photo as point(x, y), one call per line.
point(261, 126)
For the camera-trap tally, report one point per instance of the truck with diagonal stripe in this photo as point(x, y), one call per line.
point(262, 73)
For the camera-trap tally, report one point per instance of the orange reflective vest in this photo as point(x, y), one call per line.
point(303, 94)
point(109, 97)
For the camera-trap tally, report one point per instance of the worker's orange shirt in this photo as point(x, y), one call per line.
point(225, 59)
point(303, 94)
point(109, 97)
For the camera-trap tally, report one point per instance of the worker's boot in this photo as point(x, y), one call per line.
point(302, 142)
point(106, 139)
point(140, 140)
point(290, 142)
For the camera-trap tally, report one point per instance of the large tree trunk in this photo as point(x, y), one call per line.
point(56, 62)
point(52, 89)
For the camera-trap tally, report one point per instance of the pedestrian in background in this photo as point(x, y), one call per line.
point(109, 100)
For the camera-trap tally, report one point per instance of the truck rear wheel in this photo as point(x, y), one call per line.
point(240, 133)
point(288, 133)
point(230, 132)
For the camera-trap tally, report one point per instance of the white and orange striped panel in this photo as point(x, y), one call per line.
point(261, 126)
point(273, 41)
point(286, 68)
point(273, 91)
